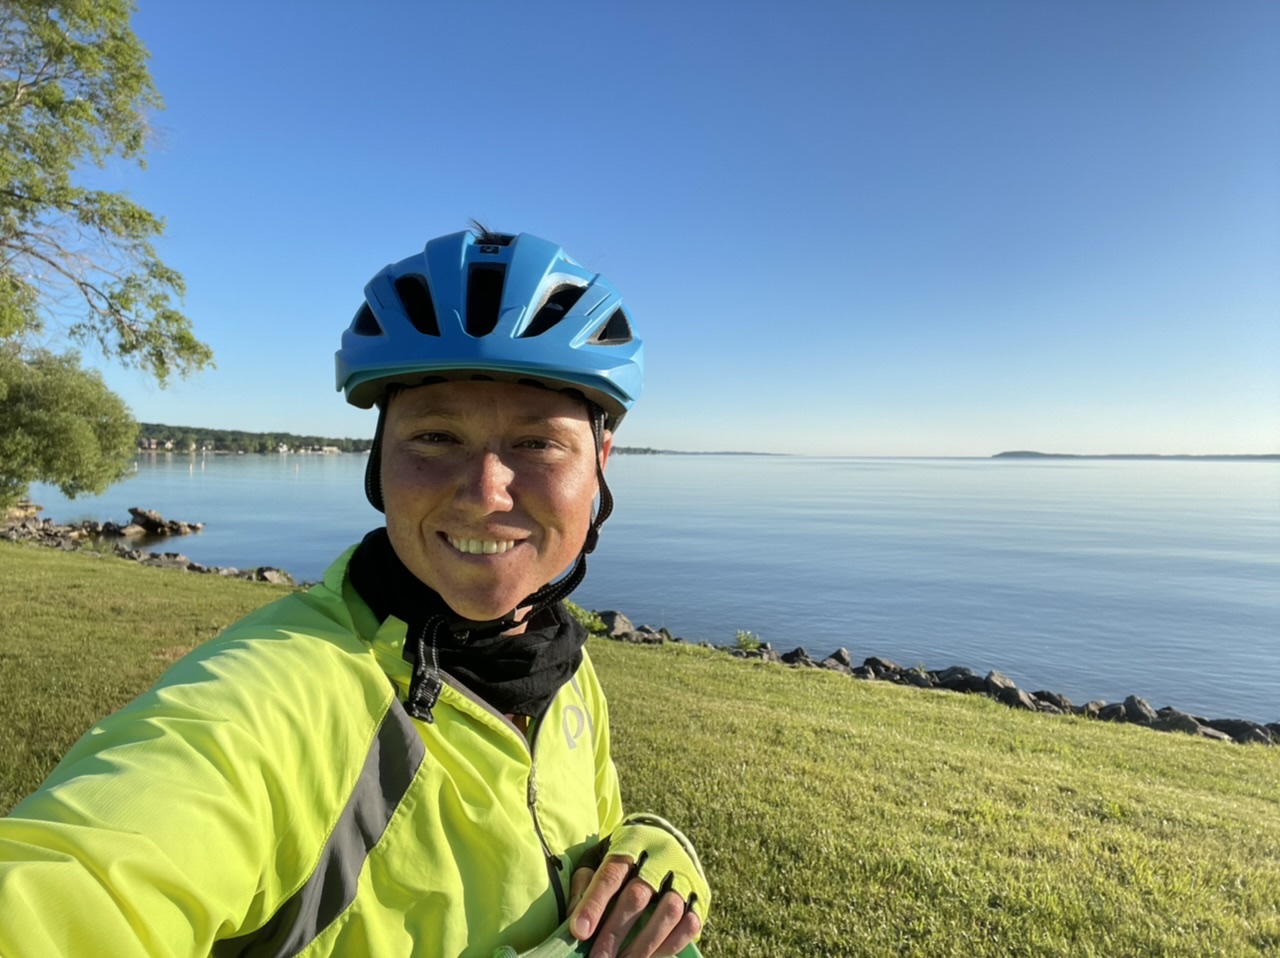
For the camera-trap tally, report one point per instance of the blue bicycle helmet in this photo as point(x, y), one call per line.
point(492, 306)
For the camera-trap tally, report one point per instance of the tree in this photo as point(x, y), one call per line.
point(61, 424)
point(77, 263)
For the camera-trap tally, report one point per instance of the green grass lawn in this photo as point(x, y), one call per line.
point(834, 817)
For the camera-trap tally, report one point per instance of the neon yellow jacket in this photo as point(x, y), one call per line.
point(270, 796)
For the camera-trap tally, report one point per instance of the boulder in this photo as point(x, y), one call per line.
point(1113, 712)
point(879, 665)
point(1090, 709)
point(275, 576)
point(862, 672)
point(839, 657)
point(615, 624)
point(1213, 733)
point(957, 678)
point(154, 524)
point(167, 560)
point(1057, 700)
point(1139, 711)
point(1016, 698)
point(995, 681)
point(838, 661)
point(1171, 720)
point(1242, 731)
point(917, 677)
point(798, 656)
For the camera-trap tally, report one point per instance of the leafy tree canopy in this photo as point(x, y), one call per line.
point(61, 424)
point(74, 90)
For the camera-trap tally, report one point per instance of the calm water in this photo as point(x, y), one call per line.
point(1096, 579)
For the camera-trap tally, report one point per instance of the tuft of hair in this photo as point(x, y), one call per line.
point(487, 236)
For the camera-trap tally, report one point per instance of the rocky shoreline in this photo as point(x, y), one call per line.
point(22, 525)
point(957, 678)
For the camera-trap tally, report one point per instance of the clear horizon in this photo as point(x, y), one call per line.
point(855, 229)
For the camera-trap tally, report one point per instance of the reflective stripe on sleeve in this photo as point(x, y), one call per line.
point(388, 770)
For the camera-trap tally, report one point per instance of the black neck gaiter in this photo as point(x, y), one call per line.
point(516, 674)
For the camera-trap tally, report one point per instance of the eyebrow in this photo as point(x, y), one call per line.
point(455, 414)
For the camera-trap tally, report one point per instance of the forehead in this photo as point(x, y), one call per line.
point(510, 401)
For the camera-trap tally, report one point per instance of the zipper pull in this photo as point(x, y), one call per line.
point(533, 786)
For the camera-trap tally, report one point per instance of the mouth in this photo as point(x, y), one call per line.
point(478, 547)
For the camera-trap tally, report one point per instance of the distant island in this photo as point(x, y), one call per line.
point(1025, 454)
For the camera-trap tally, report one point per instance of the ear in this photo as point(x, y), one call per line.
point(606, 444)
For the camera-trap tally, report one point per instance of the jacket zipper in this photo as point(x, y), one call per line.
point(554, 865)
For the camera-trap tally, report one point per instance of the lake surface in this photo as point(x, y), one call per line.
point(1097, 579)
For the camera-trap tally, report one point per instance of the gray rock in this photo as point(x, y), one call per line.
point(1090, 709)
point(1015, 697)
point(1112, 712)
point(839, 657)
point(862, 672)
point(1047, 708)
point(1171, 720)
point(167, 560)
point(836, 663)
point(1242, 731)
point(995, 681)
point(798, 656)
point(1213, 733)
point(1057, 700)
point(916, 677)
point(959, 679)
point(1139, 711)
point(879, 665)
point(615, 624)
point(274, 576)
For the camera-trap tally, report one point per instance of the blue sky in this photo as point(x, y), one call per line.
point(847, 228)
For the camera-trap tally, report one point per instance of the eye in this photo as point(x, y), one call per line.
point(433, 438)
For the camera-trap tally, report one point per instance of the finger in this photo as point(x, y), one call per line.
point(604, 884)
point(578, 884)
point(627, 907)
point(662, 922)
point(687, 930)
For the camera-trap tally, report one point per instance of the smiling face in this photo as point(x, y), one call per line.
point(488, 489)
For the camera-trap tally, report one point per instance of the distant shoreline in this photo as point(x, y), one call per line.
point(1020, 454)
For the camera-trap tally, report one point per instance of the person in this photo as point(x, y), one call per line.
point(411, 757)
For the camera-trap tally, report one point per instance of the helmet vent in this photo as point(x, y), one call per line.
point(614, 331)
point(554, 308)
point(365, 323)
point(484, 297)
point(416, 300)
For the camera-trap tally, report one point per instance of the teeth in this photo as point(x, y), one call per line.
point(477, 547)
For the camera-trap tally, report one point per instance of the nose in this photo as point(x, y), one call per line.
point(486, 485)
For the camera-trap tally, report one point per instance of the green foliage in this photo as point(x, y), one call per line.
point(74, 89)
point(60, 424)
point(586, 618)
point(746, 641)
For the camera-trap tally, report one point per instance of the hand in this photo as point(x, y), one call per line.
point(669, 928)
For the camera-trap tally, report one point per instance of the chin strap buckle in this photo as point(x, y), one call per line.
point(425, 686)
